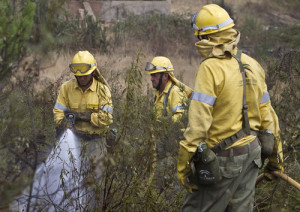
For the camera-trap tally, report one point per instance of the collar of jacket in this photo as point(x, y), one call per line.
point(168, 85)
point(187, 90)
point(220, 45)
point(92, 87)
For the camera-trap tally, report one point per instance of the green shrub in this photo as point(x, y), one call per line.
point(169, 34)
point(16, 23)
point(283, 82)
point(141, 173)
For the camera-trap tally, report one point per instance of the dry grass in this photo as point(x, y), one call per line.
point(121, 56)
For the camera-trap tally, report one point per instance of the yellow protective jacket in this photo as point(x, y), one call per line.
point(95, 100)
point(174, 104)
point(215, 112)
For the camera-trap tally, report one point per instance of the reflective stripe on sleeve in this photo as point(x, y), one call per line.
point(202, 97)
point(106, 109)
point(265, 98)
point(60, 107)
point(177, 107)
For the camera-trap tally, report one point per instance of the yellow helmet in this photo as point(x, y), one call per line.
point(83, 63)
point(211, 19)
point(159, 64)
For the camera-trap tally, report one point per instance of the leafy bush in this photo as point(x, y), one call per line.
point(16, 23)
point(169, 34)
point(283, 82)
point(141, 174)
point(287, 36)
point(141, 171)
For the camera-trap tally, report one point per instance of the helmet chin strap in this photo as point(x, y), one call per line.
point(160, 81)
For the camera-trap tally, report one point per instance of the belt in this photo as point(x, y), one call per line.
point(239, 150)
point(231, 140)
point(87, 137)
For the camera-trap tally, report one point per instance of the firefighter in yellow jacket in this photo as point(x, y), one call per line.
point(171, 97)
point(171, 94)
point(229, 109)
point(88, 98)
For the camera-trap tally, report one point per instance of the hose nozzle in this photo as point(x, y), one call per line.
point(70, 119)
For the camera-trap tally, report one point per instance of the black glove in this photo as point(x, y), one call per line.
point(268, 173)
point(111, 139)
point(82, 116)
point(59, 132)
point(61, 128)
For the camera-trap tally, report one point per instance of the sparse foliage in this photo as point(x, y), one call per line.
point(16, 24)
point(140, 174)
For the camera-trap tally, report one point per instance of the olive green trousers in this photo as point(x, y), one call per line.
point(93, 155)
point(96, 152)
point(235, 192)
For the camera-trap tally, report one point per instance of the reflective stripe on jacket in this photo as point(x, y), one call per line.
point(174, 104)
point(95, 100)
point(215, 112)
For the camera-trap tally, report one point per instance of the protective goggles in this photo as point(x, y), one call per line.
point(151, 67)
point(210, 27)
point(81, 67)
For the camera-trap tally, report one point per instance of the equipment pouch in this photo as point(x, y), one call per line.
point(206, 167)
point(267, 140)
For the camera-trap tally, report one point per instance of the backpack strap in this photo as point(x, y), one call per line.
point(166, 99)
point(246, 124)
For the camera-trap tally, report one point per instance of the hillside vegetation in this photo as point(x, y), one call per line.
point(37, 41)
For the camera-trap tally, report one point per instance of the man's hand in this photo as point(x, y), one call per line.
point(185, 181)
point(270, 167)
point(61, 128)
point(111, 139)
point(184, 170)
point(82, 116)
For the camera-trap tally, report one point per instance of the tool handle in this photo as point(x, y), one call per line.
point(259, 178)
point(281, 176)
point(287, 179)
